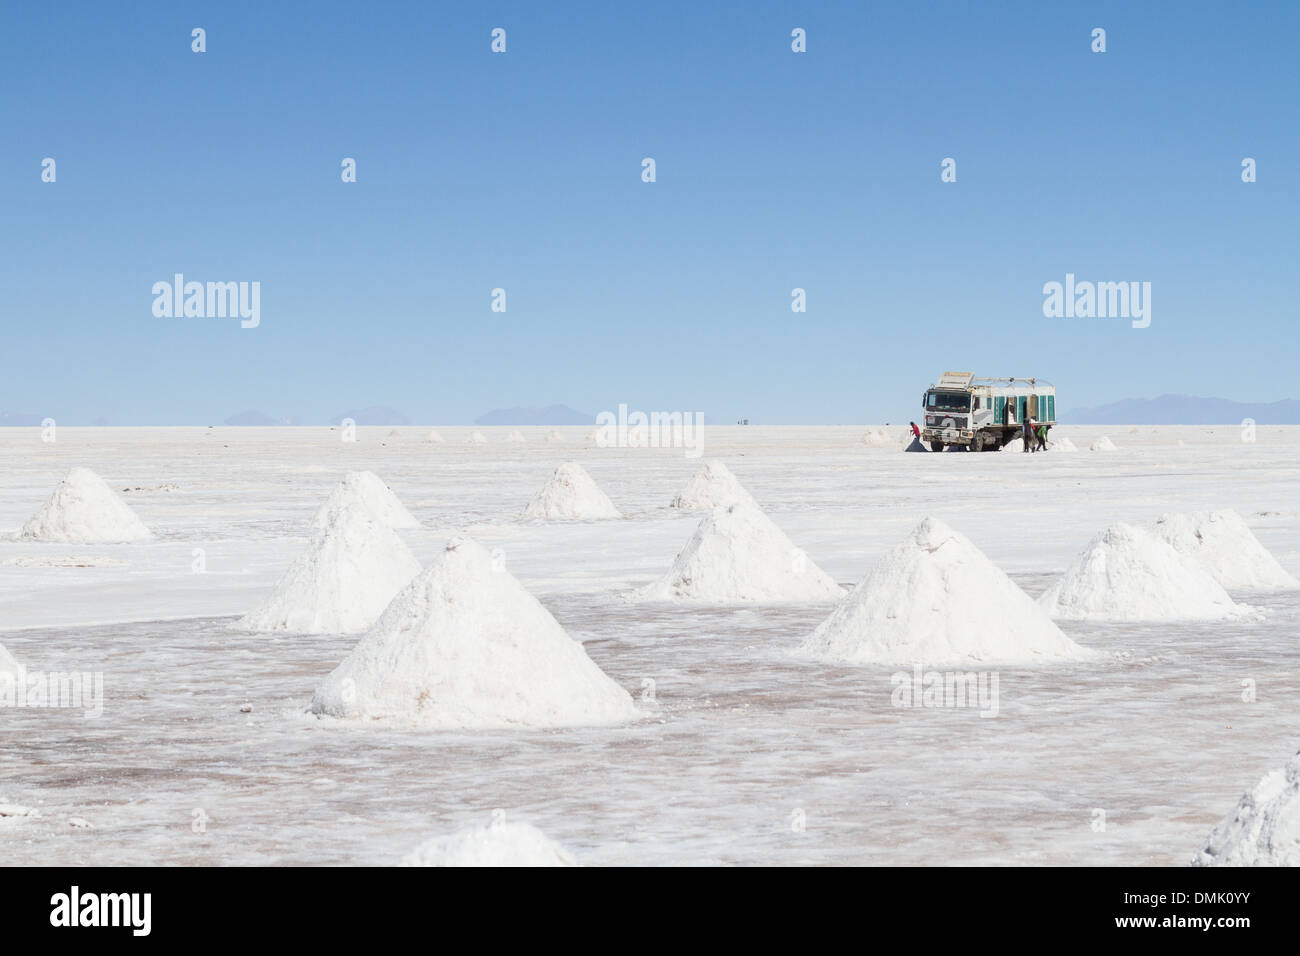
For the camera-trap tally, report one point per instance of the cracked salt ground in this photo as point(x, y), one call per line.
point(742, 736)
point(740, 739)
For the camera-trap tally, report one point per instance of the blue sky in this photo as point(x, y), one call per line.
point(775, 170)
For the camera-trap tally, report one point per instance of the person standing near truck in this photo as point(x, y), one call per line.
point(916, 432)
point(1041, 433)
point(1027, 434)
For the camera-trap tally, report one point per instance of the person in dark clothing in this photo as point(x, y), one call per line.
point(1027, 434)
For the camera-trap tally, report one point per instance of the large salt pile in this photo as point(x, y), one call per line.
point(368, 490)
point(1102, 444)
point(1015, 444)
point(1221, 543)
point(571, 494)
point(351, 570)
point(1263, 829)
point(502, 844)
point(936, 599)
point(84, 510)
point(738, 554)
point(712, 486)
point(1128, 574)
point(464, 645)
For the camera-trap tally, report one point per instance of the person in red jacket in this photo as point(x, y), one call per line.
point(916, 432)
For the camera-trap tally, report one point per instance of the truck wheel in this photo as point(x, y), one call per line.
point(936, 445)
point(977, 442)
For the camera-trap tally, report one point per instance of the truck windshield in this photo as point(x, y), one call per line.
point(947, 401)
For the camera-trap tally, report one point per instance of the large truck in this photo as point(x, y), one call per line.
point(984, 414)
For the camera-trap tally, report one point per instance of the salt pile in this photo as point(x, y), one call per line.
point(1128, 574)
point(1061, 444)
point(477, 438)
point(433, 438)
point(554, 436)
point(464, 645)
point(1221, 543)
point(936, 599)
point(712, 486)
point(738, 554)
point(1263, 829)
point(84, 510)
point(1016, 444)
point(571, 494)
point(1102, 444)
point(515, 436)
point(366, 489)
point(351, 570)
point(502, 844)
point(876, 437)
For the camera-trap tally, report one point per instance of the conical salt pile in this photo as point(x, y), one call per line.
point(477, 438)
point(1128, 574)
point(433, 438)
point(712, 486)
point(515, 436)
point(876, 437)
point(1061, 444)
point(737, 554)
point(571, 494)
point(502, 844)
point(351, 570)
point(1102, 444)
point(1263, 829)
point(554, 436)
point(368, 490)
point(464, 645)
point(84, 510)
point(936, 599)
point(1221, 543)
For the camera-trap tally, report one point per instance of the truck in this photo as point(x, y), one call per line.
point(983, 414)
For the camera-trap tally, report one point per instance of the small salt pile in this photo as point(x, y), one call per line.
point(1128, 574)
point(593, 436)
point(1015, 444)
point(501, 844)
point(712, 486)
point(465, 645)
point(1263, 829)
point(515, 436)
point(1102, 444)
point(876, 437)
point(84, 510)
point(433, 438)
point(570, 494)
point(1221, 543)
point(1061, 444)
point(368, 490)
point(353, 567)
point(936, 599)
point(738, 555)
point(554, 436)
point(477, 438)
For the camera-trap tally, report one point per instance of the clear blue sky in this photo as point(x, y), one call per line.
point(523, 171)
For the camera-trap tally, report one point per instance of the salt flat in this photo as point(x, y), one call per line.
point(740, 741)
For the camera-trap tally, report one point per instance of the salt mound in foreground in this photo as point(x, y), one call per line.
point(1128, 574)
point(737, 554)
point(1103, 444)
point(465, 645)
point(571, 494)
point(1221, 543)
point(353, 567)
point(367, 490)
point(502, 844)
point(712, 486)
point(936, 599)
point(84, 510)
point(1263, 829)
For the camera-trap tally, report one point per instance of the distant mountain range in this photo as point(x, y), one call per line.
point(1185, 410)
point(254, 417)
point(550, 415)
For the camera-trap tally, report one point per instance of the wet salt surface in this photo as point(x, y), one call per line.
point(740, 743)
